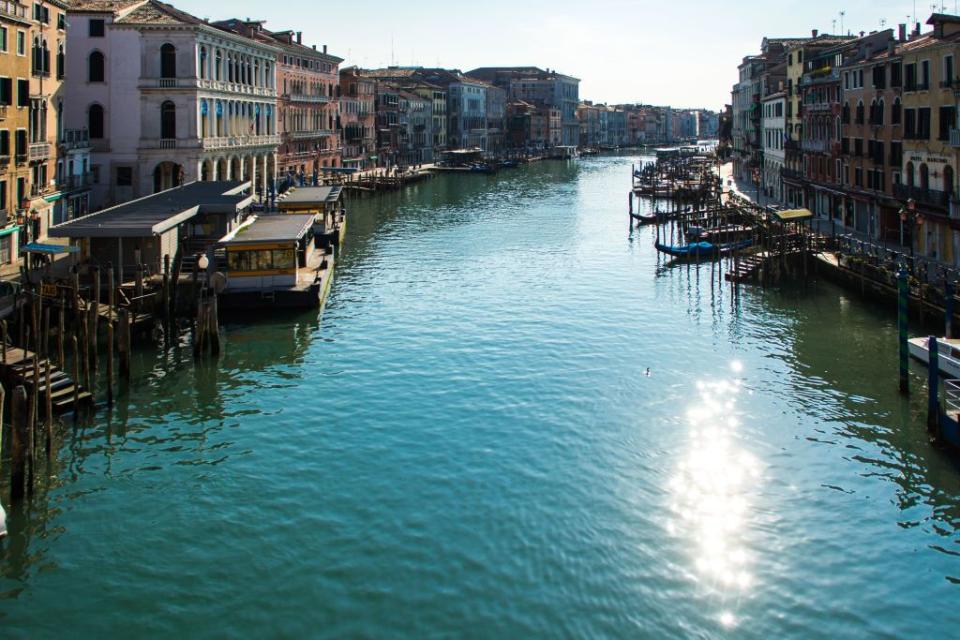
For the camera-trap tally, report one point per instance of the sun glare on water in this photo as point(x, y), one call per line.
point(710, 495)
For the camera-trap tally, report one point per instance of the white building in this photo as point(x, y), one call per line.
point(167, 99)
point(774, 154)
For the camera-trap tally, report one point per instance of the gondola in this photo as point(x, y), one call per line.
point(644, 220)
point(701, 250)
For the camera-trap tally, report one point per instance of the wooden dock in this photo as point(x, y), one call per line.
point(22, 368)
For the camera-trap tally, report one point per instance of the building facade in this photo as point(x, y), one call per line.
point(167, 98)
point(358, 119)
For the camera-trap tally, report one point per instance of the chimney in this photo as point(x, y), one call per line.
point(862, 33)
point(314, 47)
point(299, 37)
point(324, 48)
point(916, 31)
point(815, 33)
point(902, 33)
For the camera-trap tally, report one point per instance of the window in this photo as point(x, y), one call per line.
point(910, 127)
point(911, 83)
point(97, 28)
point(168, 61)
point(896, 154)
point(895, 117)
point(6, 91)
point(924, 75)
point(845, 115)
point(3, 39)
point(896, 75)
point(95, 122)
point(923, 123)
point(62, 21)
point(61, 67)
point(924, 176)
point(947, 80)
point(21, 143)
point(95, 67)
point(124, 176)
point(911, 177)
point(948, 179)
point(858, 147)
point(3, 195)
point(23, 93)
point(21, 43)
point(5, 143)
point(948, 117)
point(860, 112)
point(168, 120)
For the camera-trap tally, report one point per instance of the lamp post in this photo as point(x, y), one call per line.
point(910, 216)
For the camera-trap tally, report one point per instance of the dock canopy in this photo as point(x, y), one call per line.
point(49, 249)
point(794, 215)
point(270, 229)
point(309, 198)
point(157, 214)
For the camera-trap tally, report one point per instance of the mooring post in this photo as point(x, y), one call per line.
point(933, 386)
point(903, 309)
point(949, 302)
point(18, 442)
point(76, 374)
point(110, 364)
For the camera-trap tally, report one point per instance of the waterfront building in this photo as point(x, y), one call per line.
point(438, 104)
point(540, 87)
point(797, 52)
point(47, 41)
point(774, 130)
point(496, 107)
point(419, 118)
point(168, 99)
point(308, 86)
point(15, 173)
point(358, 118)
point(588, 115)
point(872, 136)
point(931, 138)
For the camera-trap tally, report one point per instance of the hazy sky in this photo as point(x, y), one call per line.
point(678, 52)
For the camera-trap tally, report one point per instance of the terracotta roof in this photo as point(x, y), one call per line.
point(154, 12)
point(101, 6)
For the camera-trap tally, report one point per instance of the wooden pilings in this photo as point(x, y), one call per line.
point(903, 300)
point(207, 333)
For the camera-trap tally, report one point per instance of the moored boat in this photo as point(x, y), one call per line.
point(700, 250)
point(948, 354)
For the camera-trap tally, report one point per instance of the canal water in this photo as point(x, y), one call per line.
point(512, 420)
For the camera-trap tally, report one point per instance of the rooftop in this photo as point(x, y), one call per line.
point(158, 213)
point(308, 196)
point(272, 228)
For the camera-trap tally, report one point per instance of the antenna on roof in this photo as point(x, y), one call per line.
point(842, 16)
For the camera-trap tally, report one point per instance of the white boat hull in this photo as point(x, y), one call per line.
point(948, 355)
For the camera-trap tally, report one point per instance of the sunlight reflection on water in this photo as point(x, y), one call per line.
point(710, 494)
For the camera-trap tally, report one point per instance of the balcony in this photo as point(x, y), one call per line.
point(75, 139)
point(302, 97)
point(39, 151)
point(316, 133)
point(817, 146)
point(77, 182)
point(14, 10)
point(227, 142)
point(955, 137)
point(928, 197)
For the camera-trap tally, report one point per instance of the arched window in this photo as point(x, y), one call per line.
point(911, 178)
point(218, 65)
point(61, 60)
point(168, 61)
point(168, 120)
point(95, 67)
point(924, 176)
point(860, 112)
point(204, 118)
point(95, 122)
point(846, 113)
point(897, 111)
point(203, 63)
point(880, 114)
point(948, 180)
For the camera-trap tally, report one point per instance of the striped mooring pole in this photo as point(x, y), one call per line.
point(903, 301)
point(933, 386)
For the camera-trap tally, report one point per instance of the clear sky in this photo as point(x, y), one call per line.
point(682, 53)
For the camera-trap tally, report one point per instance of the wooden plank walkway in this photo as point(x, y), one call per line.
point(18, 369)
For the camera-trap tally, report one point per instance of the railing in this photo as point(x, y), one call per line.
point(233, 87)
point(168, 143)
point(815, 145)
point(76, 182)
point(791, 174)
point(316, 133)
point(240, 141)
point(39, 151)
point(929, 197)
point(75, 139)
point(14, 9)
point(37, 190)
point(954, 137)
point(302, 97)
point(951, 389)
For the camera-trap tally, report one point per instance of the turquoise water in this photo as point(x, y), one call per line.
point(467, 443)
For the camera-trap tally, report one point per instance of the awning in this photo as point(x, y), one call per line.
point(794, 215)
point(49, 249)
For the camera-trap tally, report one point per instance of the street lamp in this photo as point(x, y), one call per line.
point(910, 216)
